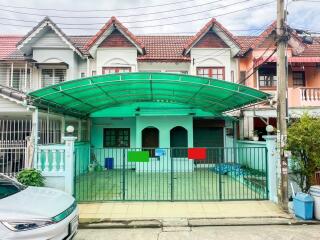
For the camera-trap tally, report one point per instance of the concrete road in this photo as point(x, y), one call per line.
point(301, 232)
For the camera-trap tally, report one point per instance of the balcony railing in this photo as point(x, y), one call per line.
point(310, 94)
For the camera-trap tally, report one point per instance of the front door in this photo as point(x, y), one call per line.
point(150, 139)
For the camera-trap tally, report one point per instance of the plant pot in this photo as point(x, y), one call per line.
point(91, 167)
point(255, 138)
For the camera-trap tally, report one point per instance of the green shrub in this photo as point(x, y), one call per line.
point(304, 144)
point(31, 177)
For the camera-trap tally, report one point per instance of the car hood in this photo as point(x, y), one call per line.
point(34, 203)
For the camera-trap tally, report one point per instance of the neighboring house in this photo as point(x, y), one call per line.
point(258, 64)
point(167, 97)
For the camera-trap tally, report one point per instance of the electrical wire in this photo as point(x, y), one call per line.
point(104, 17)
point(161, 25)
point(136, 21)
point(99, 10)
point(255, 67)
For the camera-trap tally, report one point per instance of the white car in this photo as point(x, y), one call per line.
point(36, 212)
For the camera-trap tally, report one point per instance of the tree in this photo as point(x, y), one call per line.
point(304, 144)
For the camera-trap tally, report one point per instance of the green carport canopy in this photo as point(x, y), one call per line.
point(84, 96)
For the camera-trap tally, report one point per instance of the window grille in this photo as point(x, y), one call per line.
point(52, 76)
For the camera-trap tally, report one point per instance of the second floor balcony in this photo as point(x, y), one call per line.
point(310, 96)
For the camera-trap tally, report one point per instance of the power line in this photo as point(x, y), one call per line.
point(161, 25)
point(99, 10)
point(104, 17)
point(186, 34)
point(137, 21)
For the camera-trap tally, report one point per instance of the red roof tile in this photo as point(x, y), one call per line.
point(245, 42)
point(80, 42)
point(8, 49)
point(164, 48)
point(312, 50)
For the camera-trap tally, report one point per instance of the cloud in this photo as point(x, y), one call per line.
point(301, 15)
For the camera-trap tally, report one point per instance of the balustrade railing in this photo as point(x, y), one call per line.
point(51, 159)
point(310, 94)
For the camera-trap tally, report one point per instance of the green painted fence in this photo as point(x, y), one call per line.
point(168, 174)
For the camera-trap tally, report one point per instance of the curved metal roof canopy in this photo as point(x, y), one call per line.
point(84, 96)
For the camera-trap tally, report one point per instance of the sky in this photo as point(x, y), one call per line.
point(155, 17)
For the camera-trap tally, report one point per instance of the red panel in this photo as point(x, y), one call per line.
point(211, 40)
point(116, 39)
point(197, 153)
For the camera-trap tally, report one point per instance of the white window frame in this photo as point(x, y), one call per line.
point(53, 74)
point(24, 81)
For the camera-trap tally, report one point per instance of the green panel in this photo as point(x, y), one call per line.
point(138, 156)
point(88, 95)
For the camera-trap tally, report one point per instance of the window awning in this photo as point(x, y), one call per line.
point(259, 61)
point(84, 96)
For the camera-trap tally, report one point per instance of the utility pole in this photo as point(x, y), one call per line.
point(282, 39)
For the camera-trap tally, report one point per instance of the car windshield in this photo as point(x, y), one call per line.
point(9, 187)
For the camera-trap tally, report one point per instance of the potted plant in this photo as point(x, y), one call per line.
point(255, 136)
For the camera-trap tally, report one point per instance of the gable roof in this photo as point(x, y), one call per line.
point(212, 23)
point(249, 43)
point(39, 27)
point(114, 23)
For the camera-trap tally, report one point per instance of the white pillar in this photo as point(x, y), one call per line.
point(88, 67)
point(273, 167)
point(69, 164)
point(25, 76)
point(35, 129)
point(11, 75)
point(62, 128)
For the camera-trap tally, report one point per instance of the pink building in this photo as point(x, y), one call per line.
point(257, 68)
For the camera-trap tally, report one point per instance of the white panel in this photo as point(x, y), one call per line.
point(50, 40)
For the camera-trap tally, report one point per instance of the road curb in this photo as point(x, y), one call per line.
point(189, 222)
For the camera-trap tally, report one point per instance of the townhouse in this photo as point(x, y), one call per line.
point(163, 92)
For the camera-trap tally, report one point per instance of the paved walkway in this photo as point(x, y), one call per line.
point(205, 233)
point(189, 210)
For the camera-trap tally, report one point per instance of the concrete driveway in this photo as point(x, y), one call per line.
point(164, 210)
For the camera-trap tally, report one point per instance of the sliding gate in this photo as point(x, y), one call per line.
point(172, 174)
